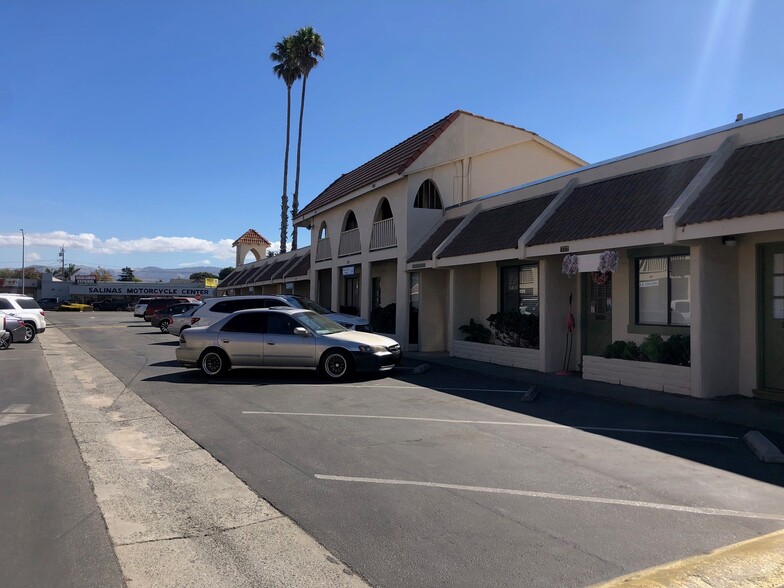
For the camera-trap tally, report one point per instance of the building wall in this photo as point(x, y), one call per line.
point(434, 310)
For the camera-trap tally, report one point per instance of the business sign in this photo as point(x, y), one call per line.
point(210, 282)
point(137, 289)
point(85, 279)
point(349, 270)
point(10, 282)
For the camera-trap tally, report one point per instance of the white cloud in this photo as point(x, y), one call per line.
point(196, 263)
point(33, 256)
point(89, 242)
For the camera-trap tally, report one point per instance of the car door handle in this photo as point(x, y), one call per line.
point(225, 341)
point(270, 343)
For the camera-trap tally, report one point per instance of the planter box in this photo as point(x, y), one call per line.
point(640, 374)
point(529, 359)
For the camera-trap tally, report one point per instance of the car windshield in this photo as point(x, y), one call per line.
point(319, 324)
point(307, 304)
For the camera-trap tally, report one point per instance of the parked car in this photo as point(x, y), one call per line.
point(156, 304)
point(181, 322)
point(49, 303)
point(162, 318)
point(109, 304)
point(12, 330)
point(285, 338)
point(71, 305)
point(217, 308)
point(141, 305)
point(27, 310)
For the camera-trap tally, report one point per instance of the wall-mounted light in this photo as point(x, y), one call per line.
point(730, 241)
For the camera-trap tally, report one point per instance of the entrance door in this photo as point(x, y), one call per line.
point(772, 321)
point(597, 311)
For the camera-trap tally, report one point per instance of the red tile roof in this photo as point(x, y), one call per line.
point(251, 237)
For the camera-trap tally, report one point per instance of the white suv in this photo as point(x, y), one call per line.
point(25, 309)
point(216, 308)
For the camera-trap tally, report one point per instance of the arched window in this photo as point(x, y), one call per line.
point(384, 211)
point(351, 221)
point(322, 234)
point(427, 196)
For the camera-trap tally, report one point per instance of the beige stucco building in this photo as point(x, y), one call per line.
point(456, 224)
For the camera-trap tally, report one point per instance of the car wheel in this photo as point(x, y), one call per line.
point(5, 342)
point(29, 333)
point(335, 364)
point(164, 326)
point(213, 362)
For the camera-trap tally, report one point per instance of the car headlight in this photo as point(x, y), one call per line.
point(372, 348)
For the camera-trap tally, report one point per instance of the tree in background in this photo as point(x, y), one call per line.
point(308, 48)
point(127, 275)
point(201, 276)
point(225, 272)
point(30, 273)
point(103, 275)
point(286, 69)
point(66, 273)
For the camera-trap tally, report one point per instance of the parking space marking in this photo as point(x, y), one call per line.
point(497, 423)
point(569, 497)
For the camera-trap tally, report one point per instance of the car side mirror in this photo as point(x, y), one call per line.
point(301, 331)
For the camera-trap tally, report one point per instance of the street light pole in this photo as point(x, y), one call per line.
point(23, 261)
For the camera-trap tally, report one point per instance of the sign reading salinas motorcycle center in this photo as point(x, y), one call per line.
point(136, 289)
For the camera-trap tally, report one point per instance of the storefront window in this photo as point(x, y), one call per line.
point(520, 286)
point(663, 291)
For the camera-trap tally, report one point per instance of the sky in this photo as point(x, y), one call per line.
point(152, 133)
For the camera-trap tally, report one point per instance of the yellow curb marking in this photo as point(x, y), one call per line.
point(756, 563)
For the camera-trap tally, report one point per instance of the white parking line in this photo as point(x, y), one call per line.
point(498, 423)
point(573, 498)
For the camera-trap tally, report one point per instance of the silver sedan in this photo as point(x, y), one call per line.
point(283, 337)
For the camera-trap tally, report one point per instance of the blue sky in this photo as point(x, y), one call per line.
point(152, 133)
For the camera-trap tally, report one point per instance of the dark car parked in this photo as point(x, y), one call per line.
point(162, 319)
point(156, 304)
point(11, 331)
point(109, 304)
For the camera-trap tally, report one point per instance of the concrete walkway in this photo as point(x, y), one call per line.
point(738, 410)
point(175, 515)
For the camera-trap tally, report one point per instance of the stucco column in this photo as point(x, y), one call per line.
point(336, 277)
point(313, 286)
point(364, 289)
point(401, 309)
point(714, 304)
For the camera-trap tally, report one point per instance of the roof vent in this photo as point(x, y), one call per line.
point(739, 117)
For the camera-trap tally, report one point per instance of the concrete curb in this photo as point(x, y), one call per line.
point(756, 563)
point(175, 515)
point(763, 448)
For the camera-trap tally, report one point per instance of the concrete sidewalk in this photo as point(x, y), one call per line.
point(738, 410)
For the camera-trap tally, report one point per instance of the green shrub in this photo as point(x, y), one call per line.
point(677, 350)
point(674, 351)
point(622, 350)
point(651, 348)
point(476, 332)
point(515, 329)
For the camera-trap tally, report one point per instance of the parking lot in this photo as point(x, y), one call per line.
point(446, 478)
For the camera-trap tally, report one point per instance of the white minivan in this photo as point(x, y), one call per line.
point(217, 308)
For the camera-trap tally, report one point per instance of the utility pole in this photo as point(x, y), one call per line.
point(62, 257)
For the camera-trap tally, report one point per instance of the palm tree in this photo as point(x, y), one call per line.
point(286, 69)
point(308, 48)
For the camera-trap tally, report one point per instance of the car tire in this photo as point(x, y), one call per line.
point(164, 326)
point(213, 362)
point(5, 342)
point(30, 333)
point(335, 364)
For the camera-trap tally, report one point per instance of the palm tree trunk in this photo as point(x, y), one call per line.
point(295, 201)
point(284, 201)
